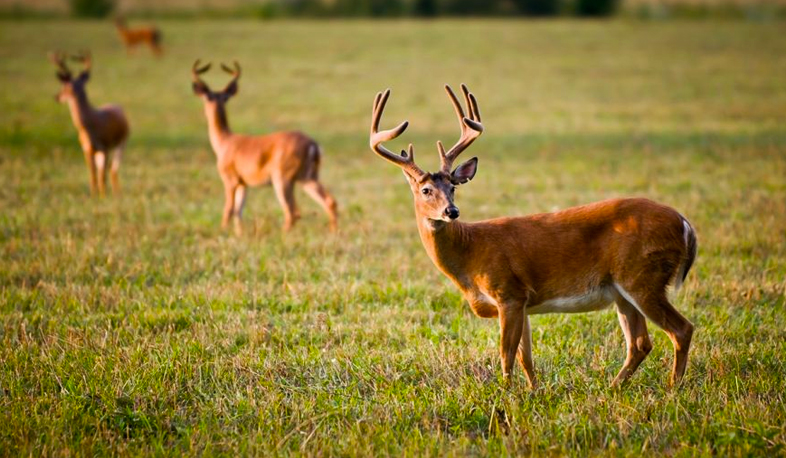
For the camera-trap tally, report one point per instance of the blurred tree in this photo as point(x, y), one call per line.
point(91, 8)
point(538, 7)
point(425, 8)
point(596, 7)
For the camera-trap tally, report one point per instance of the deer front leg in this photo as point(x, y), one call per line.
point(524, 354)
point(100, 164)
point(240, 200)
point(511, 323)
point(91, 167)
point(229, 200)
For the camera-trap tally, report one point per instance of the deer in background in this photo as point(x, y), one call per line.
point(281, 158)
point(581, 259)
point(150, 36)
point(101, 130)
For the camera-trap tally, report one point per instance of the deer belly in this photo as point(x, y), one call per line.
point(590, 301)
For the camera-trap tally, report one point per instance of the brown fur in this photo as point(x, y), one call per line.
point(622, 250)
point(101, 130)
point(281, 158)
point(150, 36)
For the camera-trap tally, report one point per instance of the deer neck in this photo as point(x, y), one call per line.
point(218, 126)
point(448, 245)
point(81, 111)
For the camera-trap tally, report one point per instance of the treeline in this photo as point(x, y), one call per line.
point(434, 8)
point(385, 8)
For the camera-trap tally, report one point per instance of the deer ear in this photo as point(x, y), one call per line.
point(464, 172)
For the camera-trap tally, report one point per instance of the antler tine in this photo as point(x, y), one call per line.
point(407, 159)
point(196, 70)
point(84, 58)
point(471, 128)
point(234, 72)
point(59, 59)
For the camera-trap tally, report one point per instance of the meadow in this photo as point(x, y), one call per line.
point(134, 325)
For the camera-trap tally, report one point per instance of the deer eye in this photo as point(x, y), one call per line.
point(426, 191)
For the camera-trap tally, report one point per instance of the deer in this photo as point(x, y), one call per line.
point(281, 158)
point(151, 36)
point(101, 130)
point(581, 259)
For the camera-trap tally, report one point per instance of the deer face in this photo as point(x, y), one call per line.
point(71, 88)
point(434, 193)
point(214, 99)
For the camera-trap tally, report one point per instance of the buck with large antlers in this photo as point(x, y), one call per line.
point(281, 158)
point(131, 38)
point(577, 260)
point(101, 130)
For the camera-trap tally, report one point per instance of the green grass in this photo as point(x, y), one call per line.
point(133, 325)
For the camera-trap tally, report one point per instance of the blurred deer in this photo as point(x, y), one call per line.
point(150, 36)
point(281, 158)
point(101, 130)
point(577, 260)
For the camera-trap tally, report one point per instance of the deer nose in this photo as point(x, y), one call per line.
point(452, 212)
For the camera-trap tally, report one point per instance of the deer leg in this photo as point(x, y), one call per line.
point(316, 191)
point(100, 160)
point(634, 326)
point(286, 197)
point(524, 354)
point(91, 167)
point(240, 201)
point(116, 158)
point(229, 200)
point(656, 307)
point(511, 323)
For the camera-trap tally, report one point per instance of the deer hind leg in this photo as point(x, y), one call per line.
point(511, 323)
point(524, 354)
point(637, 339)
point(316, 191)
point(657, 308)
point(239, 202)
point(285, 192)
point(117, 156)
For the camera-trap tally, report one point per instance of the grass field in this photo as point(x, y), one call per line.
point(133, 325)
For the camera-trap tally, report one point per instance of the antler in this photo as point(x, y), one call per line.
point(235, 73)
point(406, 160)
point(59, 59)
point(471, 128)
point(84, 58)
point(196, 70)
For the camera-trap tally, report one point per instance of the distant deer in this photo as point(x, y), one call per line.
point(101, 130)
point(577, 260)
point(150, 36)
point(281, 158)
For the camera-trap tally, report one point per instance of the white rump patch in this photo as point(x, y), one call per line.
point(597, 299)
